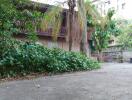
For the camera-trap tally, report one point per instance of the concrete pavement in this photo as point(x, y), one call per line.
point(112, 82)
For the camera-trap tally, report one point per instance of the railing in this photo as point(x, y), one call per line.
point(48, 32)
point(21, 26)
point(62, 32)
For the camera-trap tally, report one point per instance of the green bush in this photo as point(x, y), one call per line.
point(21, 58)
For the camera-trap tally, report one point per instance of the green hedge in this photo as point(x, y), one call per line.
point(22, 58)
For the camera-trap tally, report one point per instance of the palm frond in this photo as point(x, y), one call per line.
point(90, 11)
point(52, 19)
point(81, 13)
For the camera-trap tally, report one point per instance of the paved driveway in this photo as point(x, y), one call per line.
point(112, 82)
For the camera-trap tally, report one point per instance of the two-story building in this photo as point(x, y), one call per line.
point(45, 37)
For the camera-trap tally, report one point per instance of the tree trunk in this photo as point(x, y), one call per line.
point(84, 41)
point(71, 4)
point(121, 57)
point(70, 30)
point(100, 56)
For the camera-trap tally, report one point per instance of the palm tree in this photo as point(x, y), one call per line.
point(53, 17)
point(86, 9)
point(82, 13)
point(72, 5)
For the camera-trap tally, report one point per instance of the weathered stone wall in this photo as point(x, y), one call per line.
point(116, 54)
point(127, 55)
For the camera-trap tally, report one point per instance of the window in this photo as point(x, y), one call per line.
point(123, 5)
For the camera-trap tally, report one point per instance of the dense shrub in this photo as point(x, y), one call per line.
point(17, 57)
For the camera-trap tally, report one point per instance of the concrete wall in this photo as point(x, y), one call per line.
point(47, 41)
point(60, 44)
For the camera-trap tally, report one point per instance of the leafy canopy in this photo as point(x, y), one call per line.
point(14, 18)
point(104, 29)
point(125, 38)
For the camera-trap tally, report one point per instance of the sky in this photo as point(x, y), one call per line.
point(126, 13)
point(128, 10)
point(52, 2)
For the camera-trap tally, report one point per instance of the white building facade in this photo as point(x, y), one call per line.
point(104, 5)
